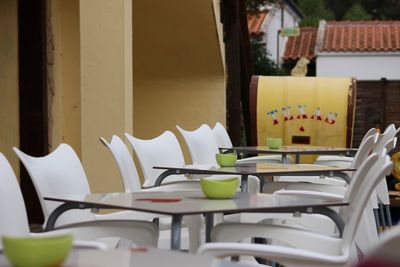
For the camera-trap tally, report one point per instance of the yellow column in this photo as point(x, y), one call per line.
point(9, 108)
point(106, 85)
point(64, 73)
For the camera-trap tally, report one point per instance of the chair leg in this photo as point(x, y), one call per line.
point(377, 221)
point(388, 215)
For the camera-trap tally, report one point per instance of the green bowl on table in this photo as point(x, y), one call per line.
point(219, 188)
point(274, 143)
point(37, 251)
point(226, 159)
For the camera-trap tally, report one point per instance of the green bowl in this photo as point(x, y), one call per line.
point(226, 159)
point(219, 188)
point(274, 143)
point(37, 251)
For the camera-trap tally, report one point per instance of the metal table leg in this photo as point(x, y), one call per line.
point(377, 221)
point(382, 216)
point(176, 232)
point(388, 215)
point(297, 156)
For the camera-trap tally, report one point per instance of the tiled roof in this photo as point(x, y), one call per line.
point(254, 22)
point(303, 45)
point(361, 36)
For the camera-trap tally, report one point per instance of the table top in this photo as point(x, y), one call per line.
point(311, 150)
point(194, 202)
point(149, 257)
point(256, 169)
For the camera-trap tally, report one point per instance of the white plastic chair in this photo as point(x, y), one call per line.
point(201, 144)
point(337, 160)
point(14, 221)
point(164, 150)
point(382, 140)
point(317, 250)
point(129, 174)
point(363, 151)
point(125, 164)
point(382, 191)
point(321, 224)
point(203, 147)
point(61, 173)
point(366, 147)
point(131, 180)
point(224, 141)
point(339, 191)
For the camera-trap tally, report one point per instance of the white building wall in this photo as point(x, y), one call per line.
point(271, 26)
point(362, 67)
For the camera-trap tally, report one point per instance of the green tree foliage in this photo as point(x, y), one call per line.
point(262, 65)
point(253, 6)
point(357, 12)
point(387, 9)
point(314, 11)
point(378, 9)
point(339, 8)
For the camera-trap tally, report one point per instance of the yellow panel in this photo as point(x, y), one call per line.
point(311, 107)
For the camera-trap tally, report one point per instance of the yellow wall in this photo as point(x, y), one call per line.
point(174, 76)
point(9, 108)
point(178, 74)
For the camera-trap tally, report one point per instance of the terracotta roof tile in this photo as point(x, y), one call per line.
point(254, 22)
point(362, 36)
point(303, 45)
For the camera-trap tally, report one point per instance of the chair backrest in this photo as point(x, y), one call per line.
point(126, 166)
point(363, 151)
point(371, 172)
point(389, 133)
point(59, 173)
point(13, 219)
point(163, 150)
point(221, 136)
point(370, 132)
point(382, 190)
point(201, 143)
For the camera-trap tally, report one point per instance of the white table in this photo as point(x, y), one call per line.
point(180, 203)
point(140, 257)
point(295, 150)
point(260, 170)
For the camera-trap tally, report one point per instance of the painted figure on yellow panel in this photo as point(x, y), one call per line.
point(317, 114)
point(302, 112)
point(273, 115)
point(286, 113)
point(287, 116)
